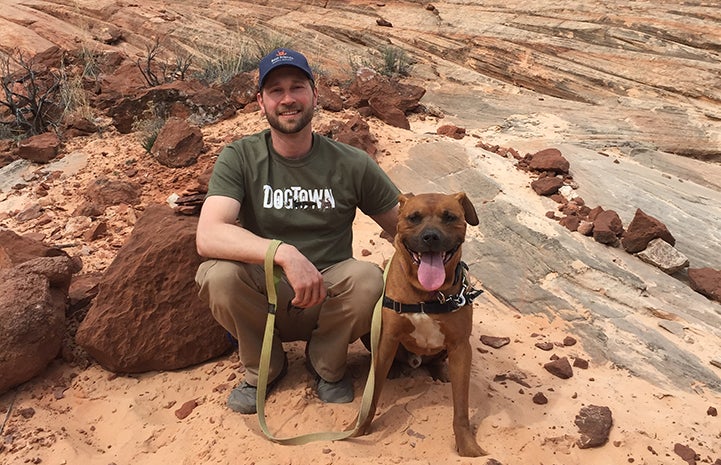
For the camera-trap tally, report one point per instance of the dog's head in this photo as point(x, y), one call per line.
point(431, 229)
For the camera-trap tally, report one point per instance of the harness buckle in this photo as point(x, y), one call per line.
point(461, 299)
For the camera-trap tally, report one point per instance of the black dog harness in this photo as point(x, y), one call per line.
point(443, 304)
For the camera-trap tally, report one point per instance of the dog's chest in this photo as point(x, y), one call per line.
point(426, 331)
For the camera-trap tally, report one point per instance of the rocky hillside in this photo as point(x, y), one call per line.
point(635, 75)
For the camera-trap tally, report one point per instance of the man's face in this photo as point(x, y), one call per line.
point(287, 99)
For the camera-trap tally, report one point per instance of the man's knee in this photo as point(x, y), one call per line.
point(220, 279)
point(367, 280)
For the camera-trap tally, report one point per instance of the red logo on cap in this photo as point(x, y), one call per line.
point(281, 53)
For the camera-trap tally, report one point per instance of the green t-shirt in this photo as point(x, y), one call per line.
point(309, 202)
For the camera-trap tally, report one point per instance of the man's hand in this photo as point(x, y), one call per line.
point(302, 275)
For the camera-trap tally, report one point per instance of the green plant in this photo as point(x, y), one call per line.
point(266, 42)
point(148, 141)
point(148, 126)
point(225, 62)
point(395, 61)
point(387, 60)
point(238, 54)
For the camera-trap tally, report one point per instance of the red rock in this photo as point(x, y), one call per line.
point(547, 186)
point(607, 227)
point(104, 192)
point(559, 367)
point(686, 453)
point(77, 126)
point(571, 222)
point(241, 89)
point(327, 99)
point(451, 130)
point(706, 281)
point(30, 213)
point(178, 99)
point(147, 314)
point(39, 149)
point(186, 409)
point(495, 341)
point(642, 230)
point(97, 230)
point(594, 422)
point(33, 300)
point(16, 249)
point(544, 345)
point(549, 160)
point(355, 132)
point(388, 113)
point(178, 144)
point(388, 100)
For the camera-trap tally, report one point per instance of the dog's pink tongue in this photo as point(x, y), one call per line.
point(431, 272)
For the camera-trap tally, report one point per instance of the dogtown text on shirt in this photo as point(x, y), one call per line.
point(296, 197)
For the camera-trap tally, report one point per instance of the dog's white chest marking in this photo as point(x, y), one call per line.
point(427, 332)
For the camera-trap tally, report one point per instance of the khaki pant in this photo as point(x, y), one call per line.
point(236, 294)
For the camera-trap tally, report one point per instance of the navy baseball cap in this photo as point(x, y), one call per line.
point(282, 57)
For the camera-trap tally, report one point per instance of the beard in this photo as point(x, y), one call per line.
point(298, 123)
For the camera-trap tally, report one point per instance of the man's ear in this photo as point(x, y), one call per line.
point(259, 99)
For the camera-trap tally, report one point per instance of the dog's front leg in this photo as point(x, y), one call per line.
point(459, 365)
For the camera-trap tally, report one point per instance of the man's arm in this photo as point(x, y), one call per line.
point(388, 220)
point(218, 236)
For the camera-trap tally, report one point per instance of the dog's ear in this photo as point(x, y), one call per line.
point(403, 198)
point(469, 210)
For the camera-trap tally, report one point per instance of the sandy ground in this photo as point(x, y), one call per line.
point(77, 414)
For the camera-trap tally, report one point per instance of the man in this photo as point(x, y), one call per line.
point(290, 184)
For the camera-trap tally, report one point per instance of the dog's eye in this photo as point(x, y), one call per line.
point(448, 217)
point(414, 218)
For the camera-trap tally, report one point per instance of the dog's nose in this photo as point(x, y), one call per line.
point(431, 236)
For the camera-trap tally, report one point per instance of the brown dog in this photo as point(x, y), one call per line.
point(427, 305)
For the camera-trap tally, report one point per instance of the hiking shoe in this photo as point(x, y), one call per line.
point(243, 398)
point(340, 392)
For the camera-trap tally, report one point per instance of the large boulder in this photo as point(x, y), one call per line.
point(549, 160)
point(184, 99)
point(39, 149)
point(178, 144)
point(147, 314)
point(33, 300)
point(642, 230)
point(388, 100)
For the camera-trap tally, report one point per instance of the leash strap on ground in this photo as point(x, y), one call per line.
point(272, 278)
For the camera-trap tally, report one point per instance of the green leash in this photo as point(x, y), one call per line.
point(272, 278)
